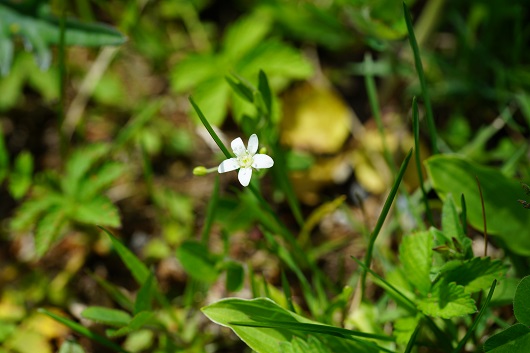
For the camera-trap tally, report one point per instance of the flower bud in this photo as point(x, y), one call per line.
point(200, 171)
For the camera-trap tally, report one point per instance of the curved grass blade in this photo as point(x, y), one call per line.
point(419, 69)
point(416, 128)
point(83, 331)
point(477, 320)
point(382, 217)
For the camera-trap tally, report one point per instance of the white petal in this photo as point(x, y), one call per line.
point(228, 165)
point(244, 176)
point(262, 161)
point(238, 146)
point(253, 144)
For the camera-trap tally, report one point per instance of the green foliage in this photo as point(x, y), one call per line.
point(34, 21)
point(73, 198)
point(264, 326)
point(245, 50)
point(516, 338)
point(506, 219)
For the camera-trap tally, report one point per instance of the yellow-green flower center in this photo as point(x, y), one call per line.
point(245, 160)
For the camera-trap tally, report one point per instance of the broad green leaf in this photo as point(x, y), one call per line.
point(415, 253)
point(138, 269)
point(48, 229)
point(21, 175)
point(197, 261)
point(521, 301)
point(447, 301)
point(234, 312)
point(97, 211)
point(193, 70)
point(212, 97)
point(112, 317)
point(245, 34)
point(144, 297)
point(515, 339)
point(476, 274)
point(506, 219)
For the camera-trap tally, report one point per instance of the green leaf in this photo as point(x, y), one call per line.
point(139, 271)
point(144, 297)
point(404, 327)
point(194, 70)
point(40, 29)
point(515, 339)
point(101, 180)
point(30, 211)
point(79, 164)
point(114, 292)
point(83, 331)
point(476, 274)
point(267, 339)
point(106, 316)
point(98, 211)
point(48, 230)
point(235, 275)
point(506, 219)
point(245, 34)
point(450, 221)
point(447, 301)
point(212, 96)
point(415, 253)
point(137, 322)
point(197, 261)
point(70, 346)
point(521, 307)
point(21, 175)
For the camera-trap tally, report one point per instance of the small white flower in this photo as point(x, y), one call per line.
point(246, 159)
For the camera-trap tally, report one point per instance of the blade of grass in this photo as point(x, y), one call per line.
point(63, 145)
point(412, 339)
point(369, 82)
point(208, 127)
point(419, 69)
point(83, 331)
point(463, 215)
point(477, 319)
point(382, 217)
point(287, 292)
point(416, 129)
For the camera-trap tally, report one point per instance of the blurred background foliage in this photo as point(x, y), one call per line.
point(97, 130)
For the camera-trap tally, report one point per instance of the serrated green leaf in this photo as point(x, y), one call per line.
point(197, 261)
point(97, 211)
point(21, 175)
point(476, 274)
point(515, 339)
point(415, 253)
point(112, 317)
point(447, 301)
point(521, 307)
point(102, 179)
point(507, 220)
point(404, 327)
point(138, 269)
point(79, 164)
point(144, 297)
point(29, 212)
point(48, 230)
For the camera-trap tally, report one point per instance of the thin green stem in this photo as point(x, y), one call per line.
point(416, 128)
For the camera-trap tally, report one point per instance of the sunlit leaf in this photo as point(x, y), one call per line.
point(415, 253)
point(447, 300)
